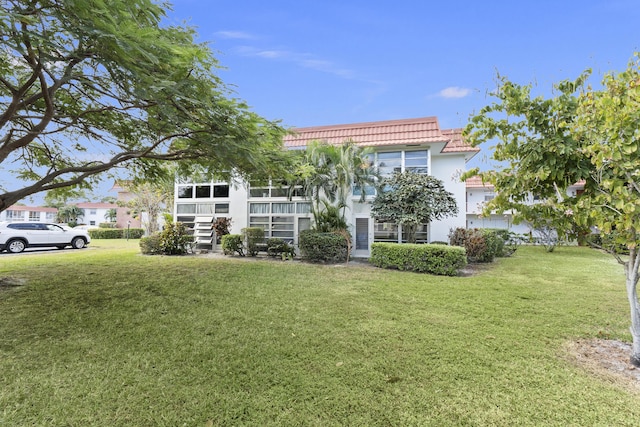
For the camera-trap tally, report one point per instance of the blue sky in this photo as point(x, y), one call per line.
point(328, 62)
point(310, 63)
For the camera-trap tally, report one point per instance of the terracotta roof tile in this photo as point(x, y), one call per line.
point(390, 132)
point(476, 182)
point(31, 208)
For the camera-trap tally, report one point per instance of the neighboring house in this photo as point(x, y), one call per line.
point(410, 144)
point(124, 216)
point(94, 213)
point(479, 193)
point(17, 213)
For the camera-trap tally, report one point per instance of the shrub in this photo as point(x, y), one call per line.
point(323, 247)
point(115, 233)
point(151, 245)
point(481, 244)
point(107, 225)
point(433, 259)
point(253, 237)
point(278, 247)
point(174, 239)
point(232, 243)
point(458, 236)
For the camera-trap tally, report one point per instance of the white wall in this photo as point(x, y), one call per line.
point(447, 168)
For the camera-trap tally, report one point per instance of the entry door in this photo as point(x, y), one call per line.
point(362, 244)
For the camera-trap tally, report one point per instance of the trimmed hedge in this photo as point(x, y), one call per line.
point(115, 233)
point(323, 247)
point(434, 259)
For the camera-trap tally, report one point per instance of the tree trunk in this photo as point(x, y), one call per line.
point(631, 273)
point(410, 232)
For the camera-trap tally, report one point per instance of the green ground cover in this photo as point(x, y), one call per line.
point(108, 337)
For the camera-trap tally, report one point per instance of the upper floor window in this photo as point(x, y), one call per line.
point(203, 191)
point(402, 161)
point(34, 216)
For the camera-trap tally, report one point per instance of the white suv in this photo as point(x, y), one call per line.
point(15, 237)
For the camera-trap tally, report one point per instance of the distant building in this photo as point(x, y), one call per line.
point(479, 193)
point(17, 213)
point(124, 215)
point(95, 213)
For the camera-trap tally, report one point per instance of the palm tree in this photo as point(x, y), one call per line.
point(334, 170)
point(70, 214)
point(111, 215)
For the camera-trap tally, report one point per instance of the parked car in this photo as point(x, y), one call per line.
point(15, 237)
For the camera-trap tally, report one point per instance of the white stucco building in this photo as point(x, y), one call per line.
point(18, 213)
point(479, 193)
point(411, 144)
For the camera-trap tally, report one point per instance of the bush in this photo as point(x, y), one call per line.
point(232, 243)
point(151, 245)
point(107, 225)
point(175, 240)
point(278, 247)
point(433, 259)
point(115, 233)
point(481, 244)
point(323, 247)
point(253, 237)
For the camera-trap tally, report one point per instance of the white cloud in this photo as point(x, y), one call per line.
point(305, 60)
point(454, 92)
point(234, 35)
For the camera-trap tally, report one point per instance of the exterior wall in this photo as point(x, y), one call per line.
point(263, 206)
point(94, 213)
point(447, 168)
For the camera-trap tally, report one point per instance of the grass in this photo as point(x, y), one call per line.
point(106, 336)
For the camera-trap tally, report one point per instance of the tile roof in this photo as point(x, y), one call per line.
point(31, 208)
point(384, 133)
point(476, 182)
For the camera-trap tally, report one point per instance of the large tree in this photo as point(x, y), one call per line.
point(580, 134)
point(87, 86)
point(410, 199)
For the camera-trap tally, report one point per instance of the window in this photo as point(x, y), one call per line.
point(279, 219)
point(416, 161)
point(92, 223)
point(186, 208)
point(185, 191)
point(203, 191)
point(222, 208)
point(489, 196)
point(34, 216)
point(220, 191)
point(389, 162)
point(51, 216)
point(93, 212)
point(14, 215)
point(385, 232)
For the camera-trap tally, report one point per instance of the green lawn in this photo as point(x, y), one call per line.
point(107, 337)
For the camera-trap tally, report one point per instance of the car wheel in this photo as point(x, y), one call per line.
point(78, 243)
point(16, 246)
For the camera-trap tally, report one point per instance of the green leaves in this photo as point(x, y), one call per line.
point(410, 199)
point(105, 77)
